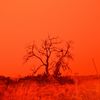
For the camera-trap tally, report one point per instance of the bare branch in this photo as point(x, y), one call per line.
point(35, 71)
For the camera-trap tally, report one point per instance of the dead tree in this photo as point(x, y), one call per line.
point(64, 55)
point(50, 55)
point(43, 54)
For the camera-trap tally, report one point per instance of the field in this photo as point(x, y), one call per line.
point(84, 88)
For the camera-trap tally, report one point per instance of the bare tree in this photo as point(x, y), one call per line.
point(48, 50)
point(64, 55)
point(43, 54)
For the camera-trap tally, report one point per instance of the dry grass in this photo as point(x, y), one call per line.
point(87, 88)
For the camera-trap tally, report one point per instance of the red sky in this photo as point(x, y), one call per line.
point(22, 21)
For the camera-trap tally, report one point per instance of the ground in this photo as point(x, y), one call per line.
point(84, 88)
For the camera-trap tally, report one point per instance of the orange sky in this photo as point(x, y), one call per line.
point(22, 21)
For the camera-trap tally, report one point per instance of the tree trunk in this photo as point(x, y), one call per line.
point(46, 70)
point(47, 66)
point(57, 69)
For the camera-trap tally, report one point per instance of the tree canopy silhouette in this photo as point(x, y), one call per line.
point(51, 55)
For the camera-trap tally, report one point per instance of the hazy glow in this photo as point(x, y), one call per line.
point(22, 21)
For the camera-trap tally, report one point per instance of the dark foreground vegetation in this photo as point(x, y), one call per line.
point(40, 79)
point(43, 88)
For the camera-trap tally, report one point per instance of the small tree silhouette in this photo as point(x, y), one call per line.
point(50, 55)
point(64, 55)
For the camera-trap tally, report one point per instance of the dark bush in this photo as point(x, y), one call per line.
point(65, 80)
